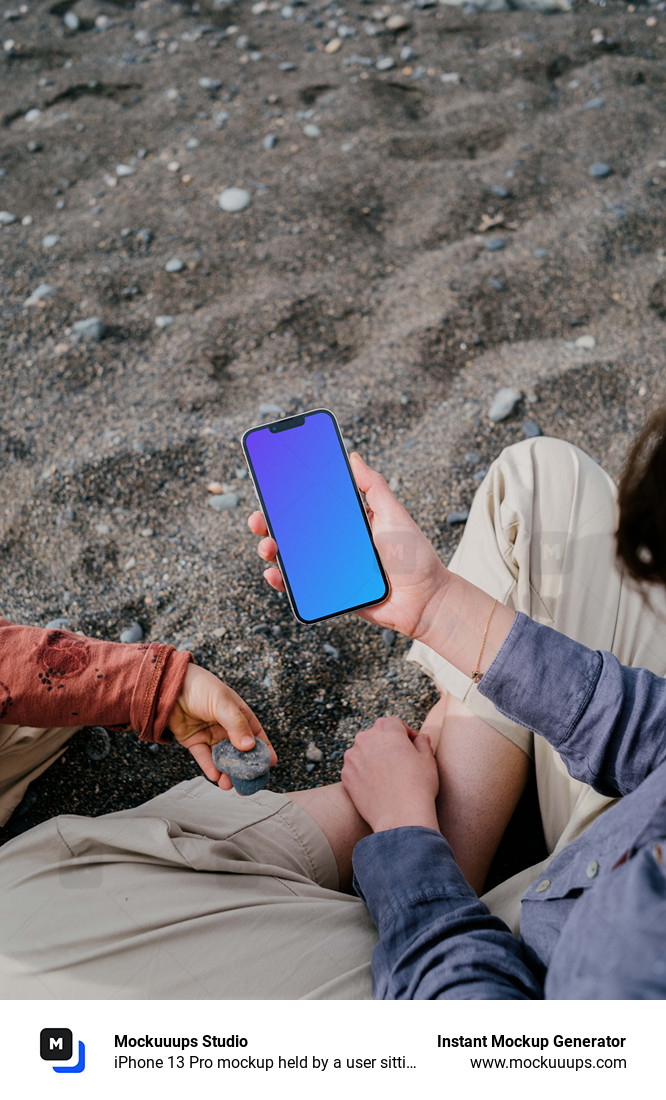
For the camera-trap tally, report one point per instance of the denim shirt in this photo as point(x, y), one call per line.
point(594, 924)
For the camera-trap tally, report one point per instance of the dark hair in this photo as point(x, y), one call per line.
point(641, 533)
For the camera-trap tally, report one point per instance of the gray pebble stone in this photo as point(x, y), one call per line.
point(499, 192)
point(132, 634)
point(531, 430)
point(50, 240)
point(505, 402)
point(6, 218)
point(69, 514)
point(124, 170)
point(594, 104)
point(286, 66)
point(223, 502)
point(33, 146)
point(209, 83)
point(309, 767)
point(174, 266)
point(494, 244)
point(99, 743)
point(540, 253)
point(497, 284)
point(233, 199)
point(407, 54)
point(192, 143)
point(384, 64)
point(600, 170)
point(473, 457)
point(480, 474)
point(44, 290)
point(92, 328)
point(57, 624)
point(249, 771)
point(388, 637)
point(314, 753)
point(331, 651)
point(266, 409)
point(71, 21)
point(311, 131)
point(457, 517)
point(221, 119)
point(164, 320)
point(270, 141)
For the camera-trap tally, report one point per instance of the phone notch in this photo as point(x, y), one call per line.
point(284, 425)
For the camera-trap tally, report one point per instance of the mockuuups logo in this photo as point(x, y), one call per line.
point(56, 1045)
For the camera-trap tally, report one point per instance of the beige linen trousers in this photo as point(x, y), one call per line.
point(202, 894)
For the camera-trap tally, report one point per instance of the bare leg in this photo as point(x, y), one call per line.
point(481, 778)
point(339, 820)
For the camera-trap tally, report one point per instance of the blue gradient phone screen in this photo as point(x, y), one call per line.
point(310, 501)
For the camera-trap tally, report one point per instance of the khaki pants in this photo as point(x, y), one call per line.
point(201, 894)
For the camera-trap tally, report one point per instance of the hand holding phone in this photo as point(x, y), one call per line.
point(417, 576)
point(313, 510)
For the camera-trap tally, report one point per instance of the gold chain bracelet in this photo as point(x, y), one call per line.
point(477, 674)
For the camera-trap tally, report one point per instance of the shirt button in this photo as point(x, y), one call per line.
point(592, 868)
point(543, 885)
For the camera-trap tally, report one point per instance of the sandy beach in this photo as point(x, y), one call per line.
point(431, 212)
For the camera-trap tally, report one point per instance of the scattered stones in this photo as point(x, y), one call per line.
point(133, 634)
point(33, 146)
point(494, 244)
point(57, 624)
point(499, 192)
point(311, 131)
point(599, 170)
point(249, 771)
point(504, 404)
point(540, 253)
point(454, 518)
point(497, 284)
point(388, 637)
point(407, 53)
point(234, 199)
point(92, 328)
point(480, 474)
point(286, 67)
point(594, 104)
point(215, 487)
point(173, 166)
point(163, 320)
point(270, 141)
point(6, 218)
point(333, 46)
point(314, 754)
point(531, 430)
point(331, 651)
point(224, 501)
point(266, 409)
point(221, 119)
point(450, 78)
point(33, 115)
point(209, 83)
point(44, 290)
point(586, 343)
point(384, 64)
point(473, 457)
point(124, 170)
point(50, 240)
point(71, 21)
point(174, 266)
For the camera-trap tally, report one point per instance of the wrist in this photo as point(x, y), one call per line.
point(425, 817)
point(435, 617)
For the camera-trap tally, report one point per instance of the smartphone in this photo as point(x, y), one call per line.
point(314, 511)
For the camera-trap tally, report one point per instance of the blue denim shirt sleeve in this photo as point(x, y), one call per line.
point(607, 721)
point(436, 939)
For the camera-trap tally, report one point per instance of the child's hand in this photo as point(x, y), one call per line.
point(208, 711)
point(391, 776)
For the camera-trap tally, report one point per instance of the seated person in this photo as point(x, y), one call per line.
point(155, 928)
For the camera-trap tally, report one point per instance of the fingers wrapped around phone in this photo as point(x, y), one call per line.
point(266, 549)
